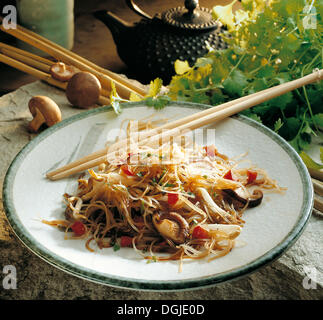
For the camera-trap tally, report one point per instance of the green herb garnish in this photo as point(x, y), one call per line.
point(169, 185)
point(142, 207)
point(195, 222)
point(116, 247)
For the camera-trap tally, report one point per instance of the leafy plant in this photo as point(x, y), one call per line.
point(270, 42)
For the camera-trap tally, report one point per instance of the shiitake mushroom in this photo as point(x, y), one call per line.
point(238, 194)
point(83, 90)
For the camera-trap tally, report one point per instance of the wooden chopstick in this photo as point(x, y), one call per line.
point(149, 133)
point(41, 64)
point(11, 61)
point(123, 86)
point(118, 79)
point(200, 119)
point(318, 203)
point(20, 55)
point(318, 186)
point(6, 48)
point(317, 174)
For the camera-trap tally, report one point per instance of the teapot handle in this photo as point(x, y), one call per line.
point(136, 9)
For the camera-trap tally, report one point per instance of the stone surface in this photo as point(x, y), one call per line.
point(285, 278)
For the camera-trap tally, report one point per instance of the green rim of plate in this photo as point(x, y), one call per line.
point(155, 285)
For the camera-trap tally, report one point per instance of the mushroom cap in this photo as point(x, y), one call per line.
point(238, 194)
point(171, 226)
point(47, 108)
point(83, 89)
point(62, 72)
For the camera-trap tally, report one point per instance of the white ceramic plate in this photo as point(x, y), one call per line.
point(269, 229)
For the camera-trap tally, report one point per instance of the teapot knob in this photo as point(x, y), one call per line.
point(191, 5)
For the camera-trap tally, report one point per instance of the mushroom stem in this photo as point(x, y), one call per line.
point(44, 110)
point(212, 205)
point(232, 230)
point(61, 66)
point(38, 120)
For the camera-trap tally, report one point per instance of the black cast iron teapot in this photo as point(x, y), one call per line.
point(151, 46)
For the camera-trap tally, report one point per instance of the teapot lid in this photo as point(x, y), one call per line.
point(191, 17)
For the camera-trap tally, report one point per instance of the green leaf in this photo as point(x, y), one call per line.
point(255, 117)
point(261, 109)
point(281, 78)
point(217, 96)
point(318, 118)
point(278, 124)
point(307, 129)
point(258, 85)
point(304, 141)
point(292, 42)
point(290, 128)
point(235, 83)
point(266, 72)
point(294, 144)
point(281, 101)
point(157, 102)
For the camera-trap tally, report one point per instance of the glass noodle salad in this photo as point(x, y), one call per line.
point(167, 203)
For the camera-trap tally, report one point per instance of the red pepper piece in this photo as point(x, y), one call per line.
point(172, 198)
point(200, 233)
point(125, 169)
point(126, 241)
point(228, 175)
point(210, 150)
point(252, 176)
point(78, 228)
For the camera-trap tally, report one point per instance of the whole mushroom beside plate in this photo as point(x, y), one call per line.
point(44, 111)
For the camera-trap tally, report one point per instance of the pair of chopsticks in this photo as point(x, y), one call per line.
point(39, 67)
point(181, 126)
point(36, 66)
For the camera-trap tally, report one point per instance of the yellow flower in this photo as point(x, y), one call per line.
point(181, 67)
point(264, 61)
point(225, 15)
